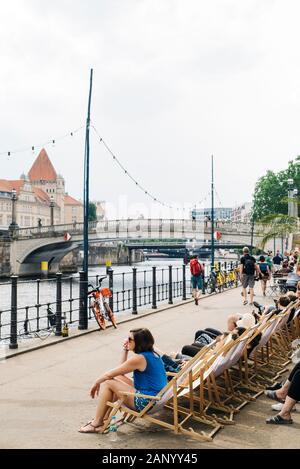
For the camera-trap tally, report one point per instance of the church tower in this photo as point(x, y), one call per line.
point(43, 175)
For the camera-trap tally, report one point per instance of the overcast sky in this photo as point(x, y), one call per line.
point(175, 81)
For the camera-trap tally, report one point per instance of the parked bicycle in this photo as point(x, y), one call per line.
point(100, 306)
point(210, 285)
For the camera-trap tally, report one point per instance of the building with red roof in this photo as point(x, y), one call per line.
point(35, 192)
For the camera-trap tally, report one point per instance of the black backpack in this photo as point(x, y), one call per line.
point(249, 264)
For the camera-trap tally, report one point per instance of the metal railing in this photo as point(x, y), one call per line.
point(51, 302)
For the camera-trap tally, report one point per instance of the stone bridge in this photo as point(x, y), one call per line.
point(29, 247)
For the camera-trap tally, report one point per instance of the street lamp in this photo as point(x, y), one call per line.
point(290, 196)
point(296, 203)
point(13, 226)
point(51, 211)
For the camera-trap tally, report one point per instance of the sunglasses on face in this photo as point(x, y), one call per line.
point(130, 339)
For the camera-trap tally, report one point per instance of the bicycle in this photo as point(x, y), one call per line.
point(210, 286)
point(100, 306)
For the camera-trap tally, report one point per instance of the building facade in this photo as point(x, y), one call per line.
point(242, 213)
point(220, 213)
point(38, 193)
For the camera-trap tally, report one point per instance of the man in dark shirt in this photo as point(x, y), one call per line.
point(277, 261)
point(248, 270)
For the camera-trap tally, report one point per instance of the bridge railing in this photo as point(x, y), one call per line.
point(47, 304)
point(45, 231)
point(144, 228)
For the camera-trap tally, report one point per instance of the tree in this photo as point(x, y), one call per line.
point(271, 191)
point(92, 212)
point(278, 226)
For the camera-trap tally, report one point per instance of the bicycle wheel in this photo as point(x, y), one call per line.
point(110, 315)
point(99, 317)
point(210, 288)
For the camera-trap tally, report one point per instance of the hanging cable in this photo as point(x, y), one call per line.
point(52, 142)
point(137, 184)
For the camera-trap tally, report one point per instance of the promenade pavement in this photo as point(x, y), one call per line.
point(44, 393)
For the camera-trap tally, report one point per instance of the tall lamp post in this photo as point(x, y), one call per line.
point(13, 226)
point(290, 197)
point(252, 234)
point(83, 309)
point(212, 216)
point(290, 205)
point(51, 211)
point(295, 203)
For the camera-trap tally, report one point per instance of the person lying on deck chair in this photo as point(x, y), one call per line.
point(149, 378)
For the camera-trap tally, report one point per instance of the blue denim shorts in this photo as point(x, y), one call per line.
point(141, 402)
point(197, 281)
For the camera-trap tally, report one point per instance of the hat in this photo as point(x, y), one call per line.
point(246, 321)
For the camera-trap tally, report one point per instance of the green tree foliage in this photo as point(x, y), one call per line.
point(92, 212)
point(271, 191)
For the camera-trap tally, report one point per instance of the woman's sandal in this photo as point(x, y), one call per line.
point(92, 430)
point(272, 395)
point(278, 420)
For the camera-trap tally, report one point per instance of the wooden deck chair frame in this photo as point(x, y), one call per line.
point(204, 379)
point(169, 395)
point(232, 354)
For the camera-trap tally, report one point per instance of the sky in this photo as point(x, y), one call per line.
point(175, 81)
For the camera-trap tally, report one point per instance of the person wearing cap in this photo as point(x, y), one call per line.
point(246, 320)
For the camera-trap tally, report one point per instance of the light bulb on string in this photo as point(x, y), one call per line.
point(32, 149)
point(53, 143)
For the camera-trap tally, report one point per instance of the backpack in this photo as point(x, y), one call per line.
point(196, 268)
point(263, 267)
point(249, 268)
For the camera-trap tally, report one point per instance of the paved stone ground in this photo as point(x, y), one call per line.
point(44, 394)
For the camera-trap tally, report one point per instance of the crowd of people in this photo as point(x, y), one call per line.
point(149, 365)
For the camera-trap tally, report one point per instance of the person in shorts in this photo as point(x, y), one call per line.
point(248, 271)
point(197, 272)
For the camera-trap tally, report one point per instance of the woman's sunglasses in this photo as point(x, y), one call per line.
point(130, 339)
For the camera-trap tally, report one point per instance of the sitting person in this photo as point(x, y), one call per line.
point(285, 270)
point(288, 395)
point(298, 290)
point(149, 378)
point(240, 320)
point(292, 280)
point(193, 349)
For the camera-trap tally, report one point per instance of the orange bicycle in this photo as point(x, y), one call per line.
point(100, 306)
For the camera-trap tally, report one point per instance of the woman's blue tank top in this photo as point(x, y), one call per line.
point(154, 378)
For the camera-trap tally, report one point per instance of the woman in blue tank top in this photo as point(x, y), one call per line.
point(149, 378)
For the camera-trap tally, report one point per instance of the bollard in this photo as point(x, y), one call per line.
point(58, 332)
point(154, 305)
point(203, 279)
point(134, 291)
point(14, 313)
point(170, 285)
point(184, 282)
point(111, 286)
point(83, 302)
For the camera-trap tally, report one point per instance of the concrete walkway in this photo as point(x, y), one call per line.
point(44, 394)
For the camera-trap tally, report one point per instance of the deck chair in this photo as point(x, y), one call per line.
point(204, 379)
point(224, 398)
point(168, 397)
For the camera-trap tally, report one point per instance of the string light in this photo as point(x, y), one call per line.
point(42, 145)
point(147, 193)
